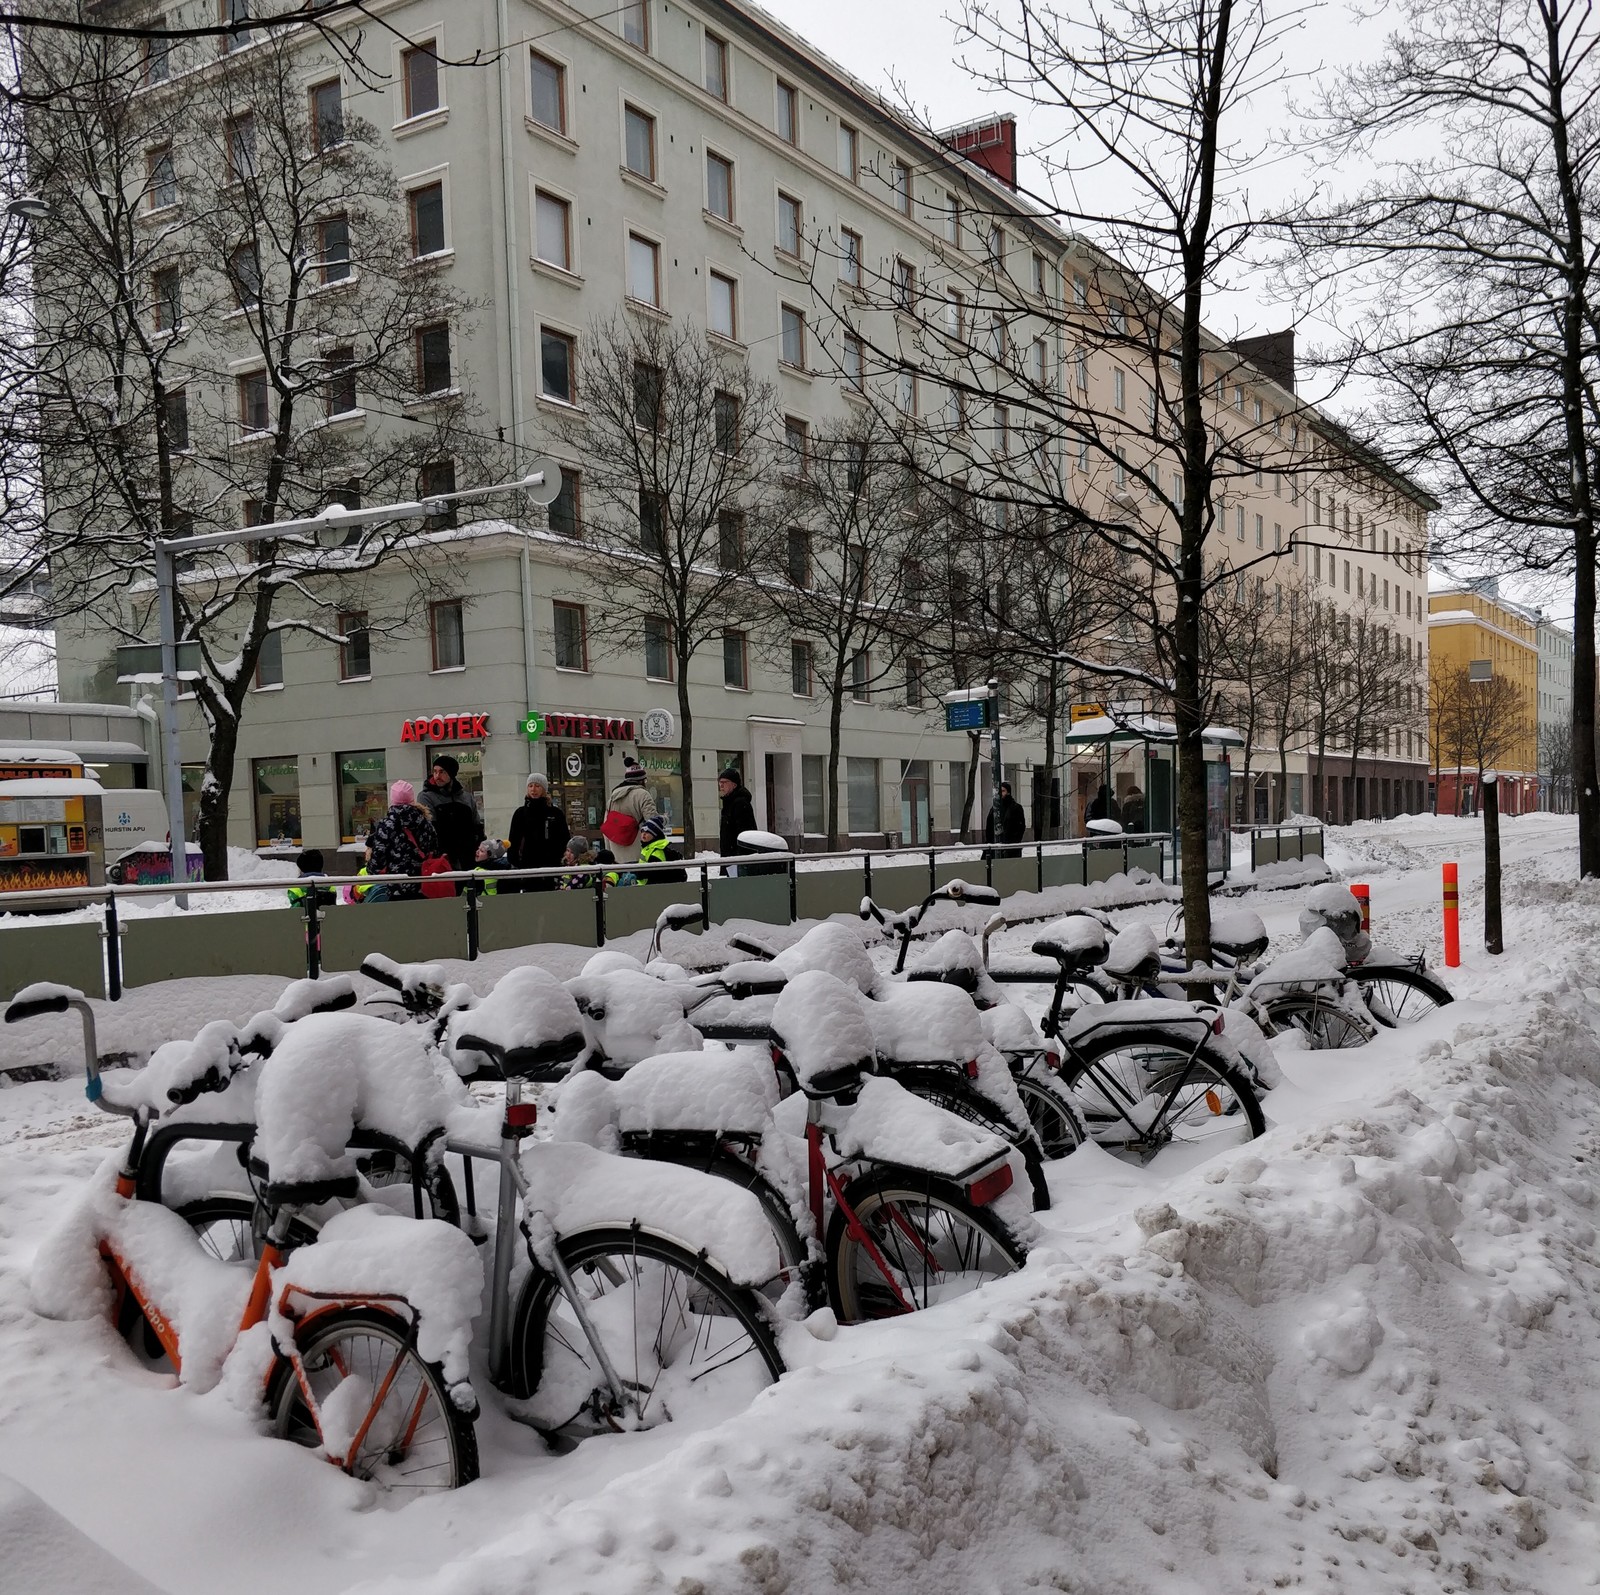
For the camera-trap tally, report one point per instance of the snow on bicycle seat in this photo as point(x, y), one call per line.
point(820, 1026)
point(1134, 954)
point(729, 1093)
point(1142, 1013)
point(892, 1125)
point(953, 960)
point(628, 1015)
point(529, 1025)
point(1318, 961)
point(834, 948)
point(334, 1074)
point(1239, 934)
point(1077, 940)
point(925, 1024)
point(752, 979)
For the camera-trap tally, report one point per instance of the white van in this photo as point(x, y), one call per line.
point(132, 816)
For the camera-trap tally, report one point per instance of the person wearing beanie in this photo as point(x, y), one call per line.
point(453, 812)
point(738, 813)
point(397, 845)
point(538, 838)
point(656, 848)
point(627, 808)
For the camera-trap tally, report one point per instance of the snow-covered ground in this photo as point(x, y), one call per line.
point(1357, 1354)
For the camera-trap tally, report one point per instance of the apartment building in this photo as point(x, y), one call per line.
point(700, 163)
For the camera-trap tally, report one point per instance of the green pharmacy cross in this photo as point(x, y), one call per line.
point(532, 725)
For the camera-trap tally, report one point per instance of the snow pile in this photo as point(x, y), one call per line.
point(528, 1007)
point(1237, 927)
point(821, 1025)
point(1133, 952)
point(1318, 960)
point(926, 1022)
point(43, 1554)
point(731, 1093)
point(628, 1016)
point(1075, 939)
point(1288, 872)
point(837, 949)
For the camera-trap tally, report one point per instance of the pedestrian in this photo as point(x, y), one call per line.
point(655, 848)
point(455, 816)
point(577, 853)
point(1007, 823)
point(738, 815)
point(398, 843)
point(538, 837)
point(491, 856)
point(627, 808)
point(309, 865)
point(1105, 806)
point(1133, 810)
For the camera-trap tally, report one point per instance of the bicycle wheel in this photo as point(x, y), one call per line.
point(1055, 1117)
point(934, 1245)
point(950, 1089)
point(1326, 1024)
point(1398, 995)
point(368, 1381)
point(225, 1223)
point(1140, 1089)
point(686, 1343)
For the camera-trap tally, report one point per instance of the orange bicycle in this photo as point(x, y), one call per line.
point(343, 1371)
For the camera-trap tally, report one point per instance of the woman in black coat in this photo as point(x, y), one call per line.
point(538, 837)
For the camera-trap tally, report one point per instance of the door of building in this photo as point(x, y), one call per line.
point(577, 773)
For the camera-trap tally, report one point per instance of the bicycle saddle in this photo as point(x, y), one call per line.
point(1076, 942)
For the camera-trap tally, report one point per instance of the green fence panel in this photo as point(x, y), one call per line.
point(902, 886)
point(821, 892)
point(1012, 875)
point(270, 941)
point(763, 897)
point(1266, 850)
point(971, 872)
point(1312, 843)
point(66, 954)
point(631, 908)
point(1064, 869)
point(524, 919)
point(1145, 858)
point(1103, 863)
point(416, 932)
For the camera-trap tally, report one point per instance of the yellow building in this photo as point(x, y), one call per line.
point(1473, 631)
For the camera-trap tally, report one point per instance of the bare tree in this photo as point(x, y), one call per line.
point(1472, 273)
point(677, 442)
point(1555, 764)
point(238, 335)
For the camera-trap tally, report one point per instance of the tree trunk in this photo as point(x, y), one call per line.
point(1586, 789)
point(686, 759)
point(215, 789)
point(973, 755)
point(1492, 941)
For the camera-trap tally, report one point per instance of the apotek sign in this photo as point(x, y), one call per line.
point(446, 728)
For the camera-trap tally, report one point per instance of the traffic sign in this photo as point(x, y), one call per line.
point(141, 661)
point(970, 714)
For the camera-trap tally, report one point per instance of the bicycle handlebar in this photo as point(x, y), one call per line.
point(35, 1008)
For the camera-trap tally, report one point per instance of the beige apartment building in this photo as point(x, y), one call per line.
point(699, 162)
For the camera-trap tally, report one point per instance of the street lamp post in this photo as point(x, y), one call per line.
point(542, 483)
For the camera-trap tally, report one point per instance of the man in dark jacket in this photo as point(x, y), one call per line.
point(454, 814)
point(1008, 823)
point(538, 838)
point(738, 812)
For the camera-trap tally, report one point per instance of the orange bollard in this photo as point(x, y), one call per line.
point(1363, 895)
point(1452, 919)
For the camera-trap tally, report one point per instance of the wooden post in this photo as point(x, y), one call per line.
point(1492, 939)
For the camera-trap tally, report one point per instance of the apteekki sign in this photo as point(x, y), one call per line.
point(577, 727)
point(446, 728)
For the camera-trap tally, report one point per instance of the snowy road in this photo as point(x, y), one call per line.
point(1355, 1355)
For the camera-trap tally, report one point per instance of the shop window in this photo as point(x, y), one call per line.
point(448, 638)
point(363, 792)
point(191, 775)
point(861, 776)
point(663, 775)
point(277, 795)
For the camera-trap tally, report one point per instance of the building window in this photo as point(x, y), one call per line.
point(552, 230)
point(419, 71)
point(253, 402)
point(994, 245)
point(725, 422)
point(355, 652)
point(277, 795)
point(652, 523)
point(644, 270)
point(800, 669)
point(861, 778)
point(787, 117)
point(1038, 275)
point(339, 386)
point(333, 248)
point(716, 66)
point(789, 224)
point(636, 23)
point(161, 177)
point(861, 676)
point(906, 390)
point(1119, 388)
point(900, 187)
point(433, 358)
point(166, 312)
point(952, 220)
point(798, 560)
point(435, 481)
point(735, 661)
point(796, 445)
point(237, 14)
point(915, 690)
point(426, 205)
point(849, 257)
point(447, 635)
point(269, 661)
point(639, 143)
point(547, 82)
point(658, 660)
point(244, 274)
point(792, 337)
point(849, 153)
point(722, 305)
point(1261, 532)
point(327, 115)
point(572, 640)
point(175, 412)
point(905, 285)
point(853, 361)
point(730, 540)
point(647, 396)
point(719, 186)
point(565, 514)
point(557, 362)
point(363, 792)
point(157, 56)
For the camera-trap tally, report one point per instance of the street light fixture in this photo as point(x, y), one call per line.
point(30, 208)
point(541, 484)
